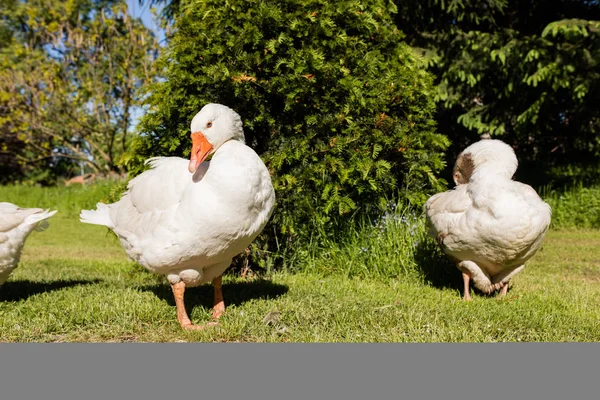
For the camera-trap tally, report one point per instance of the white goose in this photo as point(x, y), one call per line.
point(489, 224)
point(188, 219)
point(15, 226)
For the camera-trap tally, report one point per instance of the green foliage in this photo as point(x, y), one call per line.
point(170, 8)
point(577, 207)
point(526, 72)
point(338, 107)
point(70, 78)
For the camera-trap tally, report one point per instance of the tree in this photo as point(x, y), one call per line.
point(169, 9)
point(70, 77)
point(523, 71)
point(335, 103)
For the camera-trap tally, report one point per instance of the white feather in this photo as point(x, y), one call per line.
point(492, 224)
point(189, 226)
point(15, 226)
point(100, 216)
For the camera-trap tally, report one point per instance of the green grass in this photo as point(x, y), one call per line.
point(576, 207)
point(68, 200)
point(75, 283)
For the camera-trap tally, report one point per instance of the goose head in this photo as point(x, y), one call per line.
point(489, 157)
point(214, 125)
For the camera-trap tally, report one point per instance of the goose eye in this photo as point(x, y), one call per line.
point(209, 125)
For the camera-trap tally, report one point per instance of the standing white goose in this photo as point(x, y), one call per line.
point(188, 219)
point(15, 226)
point(489, 224)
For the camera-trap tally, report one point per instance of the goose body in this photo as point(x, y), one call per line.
point(488, 224)
point(16, 224)
point(187, 219)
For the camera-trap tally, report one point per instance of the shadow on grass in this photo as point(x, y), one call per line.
point(21, 290)
point(234, 293)
point(437, 269)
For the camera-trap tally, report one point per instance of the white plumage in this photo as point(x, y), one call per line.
point(189, 226)
point(15, 226)
point(489, 224)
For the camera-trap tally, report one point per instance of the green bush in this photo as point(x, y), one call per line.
point(338, 107)
point(576, 207)
point(524, 71)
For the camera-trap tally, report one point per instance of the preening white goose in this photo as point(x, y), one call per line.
point(188, 219)
point(489, 224)
point(15, 226)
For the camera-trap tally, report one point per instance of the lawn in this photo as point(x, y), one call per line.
point(74, 283)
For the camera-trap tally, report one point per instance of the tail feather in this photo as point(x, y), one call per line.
point(39, 218)
point(99, 216)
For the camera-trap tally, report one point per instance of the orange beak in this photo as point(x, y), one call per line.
point(200, 150)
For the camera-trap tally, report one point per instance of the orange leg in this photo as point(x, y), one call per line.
point(182, 316)
point(504, 290)
point(218, 303)
point(466, 289)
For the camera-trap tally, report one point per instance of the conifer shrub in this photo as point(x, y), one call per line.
point(338, 107)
